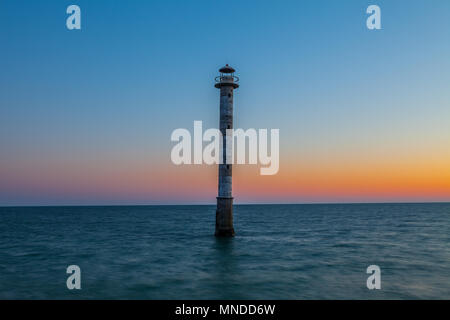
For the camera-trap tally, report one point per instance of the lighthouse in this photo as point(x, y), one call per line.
point(226, 82)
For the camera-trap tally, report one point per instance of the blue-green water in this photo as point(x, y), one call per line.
point(279, 252)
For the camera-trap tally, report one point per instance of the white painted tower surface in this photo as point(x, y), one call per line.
point(226, 82)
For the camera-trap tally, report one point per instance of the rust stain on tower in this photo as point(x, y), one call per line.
point(226, 82)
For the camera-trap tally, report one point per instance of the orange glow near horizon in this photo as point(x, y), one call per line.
point(418, 178)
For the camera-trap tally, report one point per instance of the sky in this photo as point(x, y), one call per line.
point(86, 115)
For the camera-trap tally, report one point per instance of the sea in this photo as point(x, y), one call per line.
point(309, 251)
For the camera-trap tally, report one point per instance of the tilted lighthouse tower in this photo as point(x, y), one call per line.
point(226, 82)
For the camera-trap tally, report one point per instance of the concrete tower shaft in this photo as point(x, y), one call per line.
point(226, 82)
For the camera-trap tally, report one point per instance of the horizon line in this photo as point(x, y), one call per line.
point(213, 204)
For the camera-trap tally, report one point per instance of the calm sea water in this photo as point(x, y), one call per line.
point(279, 252)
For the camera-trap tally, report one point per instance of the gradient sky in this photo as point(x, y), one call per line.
point(86, 116)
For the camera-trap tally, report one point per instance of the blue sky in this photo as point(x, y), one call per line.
point(139, 69)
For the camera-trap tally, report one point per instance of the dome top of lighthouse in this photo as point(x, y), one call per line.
point(227, 78)
point(226, 69)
